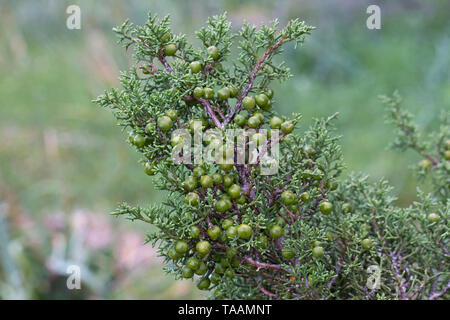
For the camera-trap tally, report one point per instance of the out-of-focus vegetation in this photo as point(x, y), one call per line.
point(63, 166)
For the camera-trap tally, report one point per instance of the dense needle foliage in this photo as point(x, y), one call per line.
point(301, 233)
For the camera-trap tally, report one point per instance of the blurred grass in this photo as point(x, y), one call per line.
point(60, 152)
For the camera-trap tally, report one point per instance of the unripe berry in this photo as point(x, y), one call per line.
point(280, 221)
point(267, 106)
point(213, 52)
point(139, 140)
point(166, 37)
point(190, 184)
point(275, 231)
point(233, 91)
point(227, 180)
point(367, 244)
point(208, 93)
point(193, 263)
point(242, 199)
point(198, 92)
point(187, 272)
point(181, 246)
point(173, 254)
point(223, 94)
point(253, 122)
point(227, 223)
point(203, 284)
point(192, 199)
point(199, 171)
point(165, 123)
point(228, 203)
point(226, 166)
point(275, 123)
point(234, 191)
point(221, 205)
point(325, 207)
point(317, 252)
point(149, 168)
point(248, 103)
point(176, 140)
point(214, 232)
point(172, 114)
point(447, 155)
point(194, 232)
point(170, 49)
point(240, 120)
point(447, 144)
point(217, 178)
point(433, 217)
point(287, 253)
point(259, 115)
point(244, 231)
point(203, 247)
point(316, 243)
point(288, 197)
point(287, 127)
point(305, 197)
point(232, 232)
point(195, 66)
point(206, 182)
point(269, 93)
point(201, 270)
point(261, 100)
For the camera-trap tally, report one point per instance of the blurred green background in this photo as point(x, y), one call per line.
point(64, 164)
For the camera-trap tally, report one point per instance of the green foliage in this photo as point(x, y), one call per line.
point(433, 150)
point(319, 239)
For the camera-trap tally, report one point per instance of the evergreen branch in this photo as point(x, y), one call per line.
point(252, 78)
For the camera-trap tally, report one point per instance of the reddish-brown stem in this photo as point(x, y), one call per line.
point(262, 265)
point(253, 75)
point(267, 293)
point(441, 293)
point(210, 112)
point(163, 61)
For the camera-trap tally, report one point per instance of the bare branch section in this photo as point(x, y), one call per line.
point(440, 293)
point(252, 78)
point(267, 293)
point(262, 265)
point(163, 61)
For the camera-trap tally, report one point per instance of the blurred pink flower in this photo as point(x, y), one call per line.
point(130, 252)
point(95, 229)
